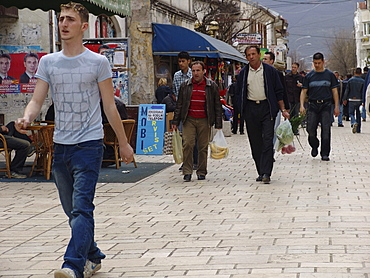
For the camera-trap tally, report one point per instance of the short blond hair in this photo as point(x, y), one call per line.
point(78, 8)
point(162, 81)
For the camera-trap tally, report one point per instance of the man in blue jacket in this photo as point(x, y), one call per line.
point(260, 94)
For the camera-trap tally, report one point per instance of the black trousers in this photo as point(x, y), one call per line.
point(260, 128)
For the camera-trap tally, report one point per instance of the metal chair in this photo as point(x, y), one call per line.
point(111, 140)
point(7, 155)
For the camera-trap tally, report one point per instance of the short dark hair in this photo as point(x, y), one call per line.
point(358, 71)
point(250, 47)
point(5, 55)
point(183, 55)
point(198, 63)
point(295, 63)
point(366, 69)
point(103, 46)
point(318, 56)
point(272, 55)
point(31, 54)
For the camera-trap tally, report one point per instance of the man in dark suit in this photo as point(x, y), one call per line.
point(4, 67)
point(31, 62)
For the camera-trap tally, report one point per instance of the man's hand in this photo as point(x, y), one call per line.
point(344, 102)
point(336, 111)
point(302, 110)
point(127, 153)
point(174, 127)
point(21, 125)
point(286, 114)
point(4, 129)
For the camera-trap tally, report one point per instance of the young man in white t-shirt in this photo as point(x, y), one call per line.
point(77, 78)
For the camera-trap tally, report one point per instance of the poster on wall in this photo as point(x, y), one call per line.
point(117, 54)
point(17, 70)
point(150, 129)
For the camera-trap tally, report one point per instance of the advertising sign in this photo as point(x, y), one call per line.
point(17, 72)
point(245, 38)
point(117, 54)
point(150, 129)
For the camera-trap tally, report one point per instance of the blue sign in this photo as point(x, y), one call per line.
point(150, 129)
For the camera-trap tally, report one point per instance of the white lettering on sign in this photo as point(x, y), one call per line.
point(156, 115)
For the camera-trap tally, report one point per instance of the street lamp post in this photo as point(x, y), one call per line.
point(302, 45)
point(304, 37)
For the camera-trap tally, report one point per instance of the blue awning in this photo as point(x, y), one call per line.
point(171, 39)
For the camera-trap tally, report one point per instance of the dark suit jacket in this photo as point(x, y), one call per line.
point(24, 78)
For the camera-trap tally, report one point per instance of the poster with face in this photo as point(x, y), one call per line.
point(17, 72)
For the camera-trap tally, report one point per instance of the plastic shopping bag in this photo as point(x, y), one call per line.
point(284, 134)
point(177, 147)
point(218, 146)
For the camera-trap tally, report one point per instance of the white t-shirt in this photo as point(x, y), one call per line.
point(73, 83)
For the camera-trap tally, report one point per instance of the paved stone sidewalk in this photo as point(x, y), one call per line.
point(312, 221)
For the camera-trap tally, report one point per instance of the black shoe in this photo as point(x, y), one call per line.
point(233, 132)
point(201, 177)
point(31, 151)
point(325, 158)
point(180, 169)
point(259, 178)
point(241, 133)
point(340, 125)
point(187, 177)
point(266, 178)
point(314, 152)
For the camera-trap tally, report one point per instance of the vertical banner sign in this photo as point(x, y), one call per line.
point(150, 129)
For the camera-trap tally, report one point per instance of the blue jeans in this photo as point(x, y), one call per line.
point(319, 113)
point(355, 114)
point(76, 171)
point(340, 117)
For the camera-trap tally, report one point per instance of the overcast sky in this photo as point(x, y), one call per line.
point(315, 18)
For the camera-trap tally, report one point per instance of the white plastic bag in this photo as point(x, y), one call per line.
point(218, 146)
point(284, 134)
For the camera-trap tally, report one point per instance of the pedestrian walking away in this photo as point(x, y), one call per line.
point(321, 87)
point(355, 99)
point(77, 78)
point(260, 97)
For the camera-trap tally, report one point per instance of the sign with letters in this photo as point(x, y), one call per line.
point(150, 129)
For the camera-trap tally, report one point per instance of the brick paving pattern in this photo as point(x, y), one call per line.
point(311, 221)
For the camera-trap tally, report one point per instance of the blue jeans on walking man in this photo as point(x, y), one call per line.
point(355, 114)
point(319, 113)
point(76, 171)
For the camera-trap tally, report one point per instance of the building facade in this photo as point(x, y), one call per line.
point(362, 33)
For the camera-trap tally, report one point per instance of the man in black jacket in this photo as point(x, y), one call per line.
point(261, 96)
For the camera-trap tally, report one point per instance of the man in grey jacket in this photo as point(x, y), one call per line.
point(199, 108)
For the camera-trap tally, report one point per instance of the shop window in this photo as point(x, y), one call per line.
point(366, 29)
point(104, 27)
